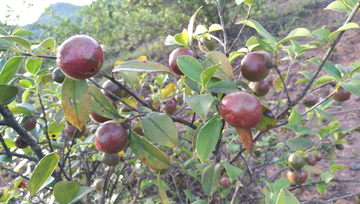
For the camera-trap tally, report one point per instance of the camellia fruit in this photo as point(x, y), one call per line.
point(341, 95)
point(111, 137)
point(296, 161)
point(20, 142)
point(58, 76)
point(255, 66)
point(98, 118)
point(70, 130)
point(29, 124)
point(170, 108)
point(174, 55)
point(80, 57)
point(113, 88)
point(310, 159)
point(210, 44)
point(241, 110)
point(260, 88)
point(98, 184)
point(225, 182)
point(296, 177)
point(111, 159)
point(310, 100)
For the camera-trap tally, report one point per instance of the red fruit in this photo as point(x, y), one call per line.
point(241, 110)
point(311, 159)
point(318, 157)
point(310, 100)
point(174, 55)
point(260, 88)
point(30, 124)
point(70, 129)
point(255, 66)
point(100, 119)
point(111, 137)
point(80, 57)
point(225, 182)
point(341, 95)
point(297, 178)
point(113, 88)
point(20, 142)
point(170, 108)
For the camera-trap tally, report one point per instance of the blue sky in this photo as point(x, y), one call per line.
point(30, 10)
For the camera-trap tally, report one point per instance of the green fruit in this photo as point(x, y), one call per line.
point(210, 44)
point(296, 161)
point(58, 76)
point(111, 159)
point(339, 147)
point(98, 184)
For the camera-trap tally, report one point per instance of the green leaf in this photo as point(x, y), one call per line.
point(193, 85)
point(336, 167)
point(5, 158)
point(257, 26)
point(298, 32)
point(223, 87)
point(286, 197)
point(210, 178)
point(200, 29)
point(160, 128)
point(65, 191)
point(356, 69)
point(20, 41)
point(141, 66)
point(83, 190)
point(101, 105)
point(234, 55)
point(7, 92)
point(26, 84)
point(215, 27)
point(232, 171)
point(170, 40)
point(327, 176)
point(207, 74)
point(48, 44)
point(312, 169)
point(323, 80)
point(224, 71)
point(190, 67)
point(208, 137)
point(200, 202)
point(247, 2)
point(256, 43)
point(23, 108)
point(280, 184)
point(347, 26)
point(353, 86)
point(42, 172)
point(33, 65)
point(9, 70)
point(201, 104)
point(147, 153)
point(322, 187)
point(22, 32)
point(182, 38)
point(294, 118)
point(322, 33)
point(75, 101)
point(338, 6)
point(163, 197)
point(328, 67)
point(191, 26)
point(301, 142)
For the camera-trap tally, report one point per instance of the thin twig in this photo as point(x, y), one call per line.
point(176, 187)
point(220, 14)
point(45, 121)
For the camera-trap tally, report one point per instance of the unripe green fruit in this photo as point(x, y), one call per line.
point(339, 147)
point(209, 44)
point(296, 161)
point(58, 76)
point(111, 159)
point(98, 184)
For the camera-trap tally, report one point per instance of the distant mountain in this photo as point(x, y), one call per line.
point(61, 9)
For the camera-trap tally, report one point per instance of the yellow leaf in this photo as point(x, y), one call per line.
point(118, 62)
point(168, 90)
point(142, 58)
point(130, 102)
point(121, 154)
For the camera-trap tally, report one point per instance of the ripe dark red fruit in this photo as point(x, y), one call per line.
point(310, 100)
point(80, 57)
point(20, 142)
point(241, 110)
point(319, 156)
point(174, 55)
point(156, 171)
point(100, 119)
point(113, 88)
point(260, 88)
point(341, 95)
point(210, 44)
point(111, 137)
point(296, 177)
point(111, 159)
point(311, 159)
point(225, 182)
point(70, 129)
point(296, 161)
point(170, 108)
point(255, 66)
point(30, 124)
